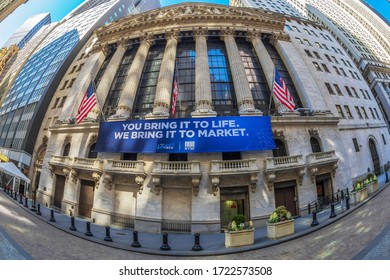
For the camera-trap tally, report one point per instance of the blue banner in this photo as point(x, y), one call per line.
point(189, 135)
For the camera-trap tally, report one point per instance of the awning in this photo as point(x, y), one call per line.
point(10, 169)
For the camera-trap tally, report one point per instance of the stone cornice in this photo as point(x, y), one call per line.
point(186, 17)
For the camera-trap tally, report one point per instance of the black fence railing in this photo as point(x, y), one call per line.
point(324, 202)
point(121, 220)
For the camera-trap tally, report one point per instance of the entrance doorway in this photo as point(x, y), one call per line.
point(374, 156)
point(285, 194)
point(324, 185)
point(234, 201)
point(59, 192)
point(87, 189)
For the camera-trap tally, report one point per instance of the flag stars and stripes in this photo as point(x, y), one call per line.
point(87, 103)
point(282, 93)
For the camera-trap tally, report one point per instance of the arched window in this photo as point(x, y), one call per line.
point(315, 145)
point(280, 150)
point(65, 153)
point(91, 151)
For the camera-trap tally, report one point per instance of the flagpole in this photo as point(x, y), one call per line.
point(272, 92)
point(97, 99)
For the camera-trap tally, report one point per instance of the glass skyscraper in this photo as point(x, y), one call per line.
point(24, 106)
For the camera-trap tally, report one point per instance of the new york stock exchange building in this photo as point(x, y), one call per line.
point(186, 132)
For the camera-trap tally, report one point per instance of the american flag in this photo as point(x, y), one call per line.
point(281, 92)
point(175, 93)
point(86, 105)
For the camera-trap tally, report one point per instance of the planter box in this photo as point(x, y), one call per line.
point(372, 187)
point(358, 196)
point(281, 229)
point(239, 238)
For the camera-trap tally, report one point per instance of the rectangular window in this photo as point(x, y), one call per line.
point(364, 113)
point(318, 68)
point(342, 71)
point(368, 95)
point(358, 112)
point(325, 68)
point(355, 92)
point(307, 42)
point(349, 114)
point(62, 102)
point(356, 144)
point(328, 58)
point(363, 94)
point(335, 59)
point(299, 40)
point(340, 111)
point(338, 90)
point(296, 29)
point(55, 103)
point(317, 55)
point(318, 45)
point(73, 69)
point(329, 87)
point(64, 86)
point(348, 91)
point(308, 53)
point(372, 113)
point(336, 70)
point(376, 113)
point(384, 139)
point(71, 83)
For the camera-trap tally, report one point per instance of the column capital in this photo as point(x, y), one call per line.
point(148, 38)
point(281, 36)
point(125, 43)
point(104, 48)
point(200, 31)
point(172, 34)
point(253, 34)
point(227, 32)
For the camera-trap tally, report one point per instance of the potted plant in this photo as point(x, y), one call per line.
point(280, 223)
point(359, 193)
point(239, 232)
point(371, 183)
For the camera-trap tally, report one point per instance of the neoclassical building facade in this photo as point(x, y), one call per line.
point(224, 59)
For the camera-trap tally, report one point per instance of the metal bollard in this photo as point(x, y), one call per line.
point(15, 196)
point(347, 202)
point(88, 231)
point(33, 208)
point(309, 208)
point(332, 212)
point(108, 237)
point(197, 246)
point(135, 243)
point(72, 227)
point(26, 202)
point(20, 199)
point(314, 222)
point(52, 216)
point(39, 210)
point(165, 246)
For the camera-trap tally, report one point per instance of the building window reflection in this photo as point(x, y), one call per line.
point(185, 65)
point(222, 88)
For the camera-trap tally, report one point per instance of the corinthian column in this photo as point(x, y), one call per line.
point(106, 81)
point(266, 63)
point(203, 97)
point(133, 77)
point(162, 99)
point(240, 80)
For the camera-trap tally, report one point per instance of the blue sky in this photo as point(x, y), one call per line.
point(59, 8)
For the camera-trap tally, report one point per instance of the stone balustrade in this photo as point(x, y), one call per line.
point(321, 162)
point(88, 163)
point(61, 160)
point(280, 163)
point(125, 166)
point(321, 157)
point(233, 166)
point(176, 167)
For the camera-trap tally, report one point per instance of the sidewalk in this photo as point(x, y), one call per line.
point(181, 244)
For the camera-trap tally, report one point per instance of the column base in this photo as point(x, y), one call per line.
point(157, 116)
point(250, 112)
point(203, 113)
